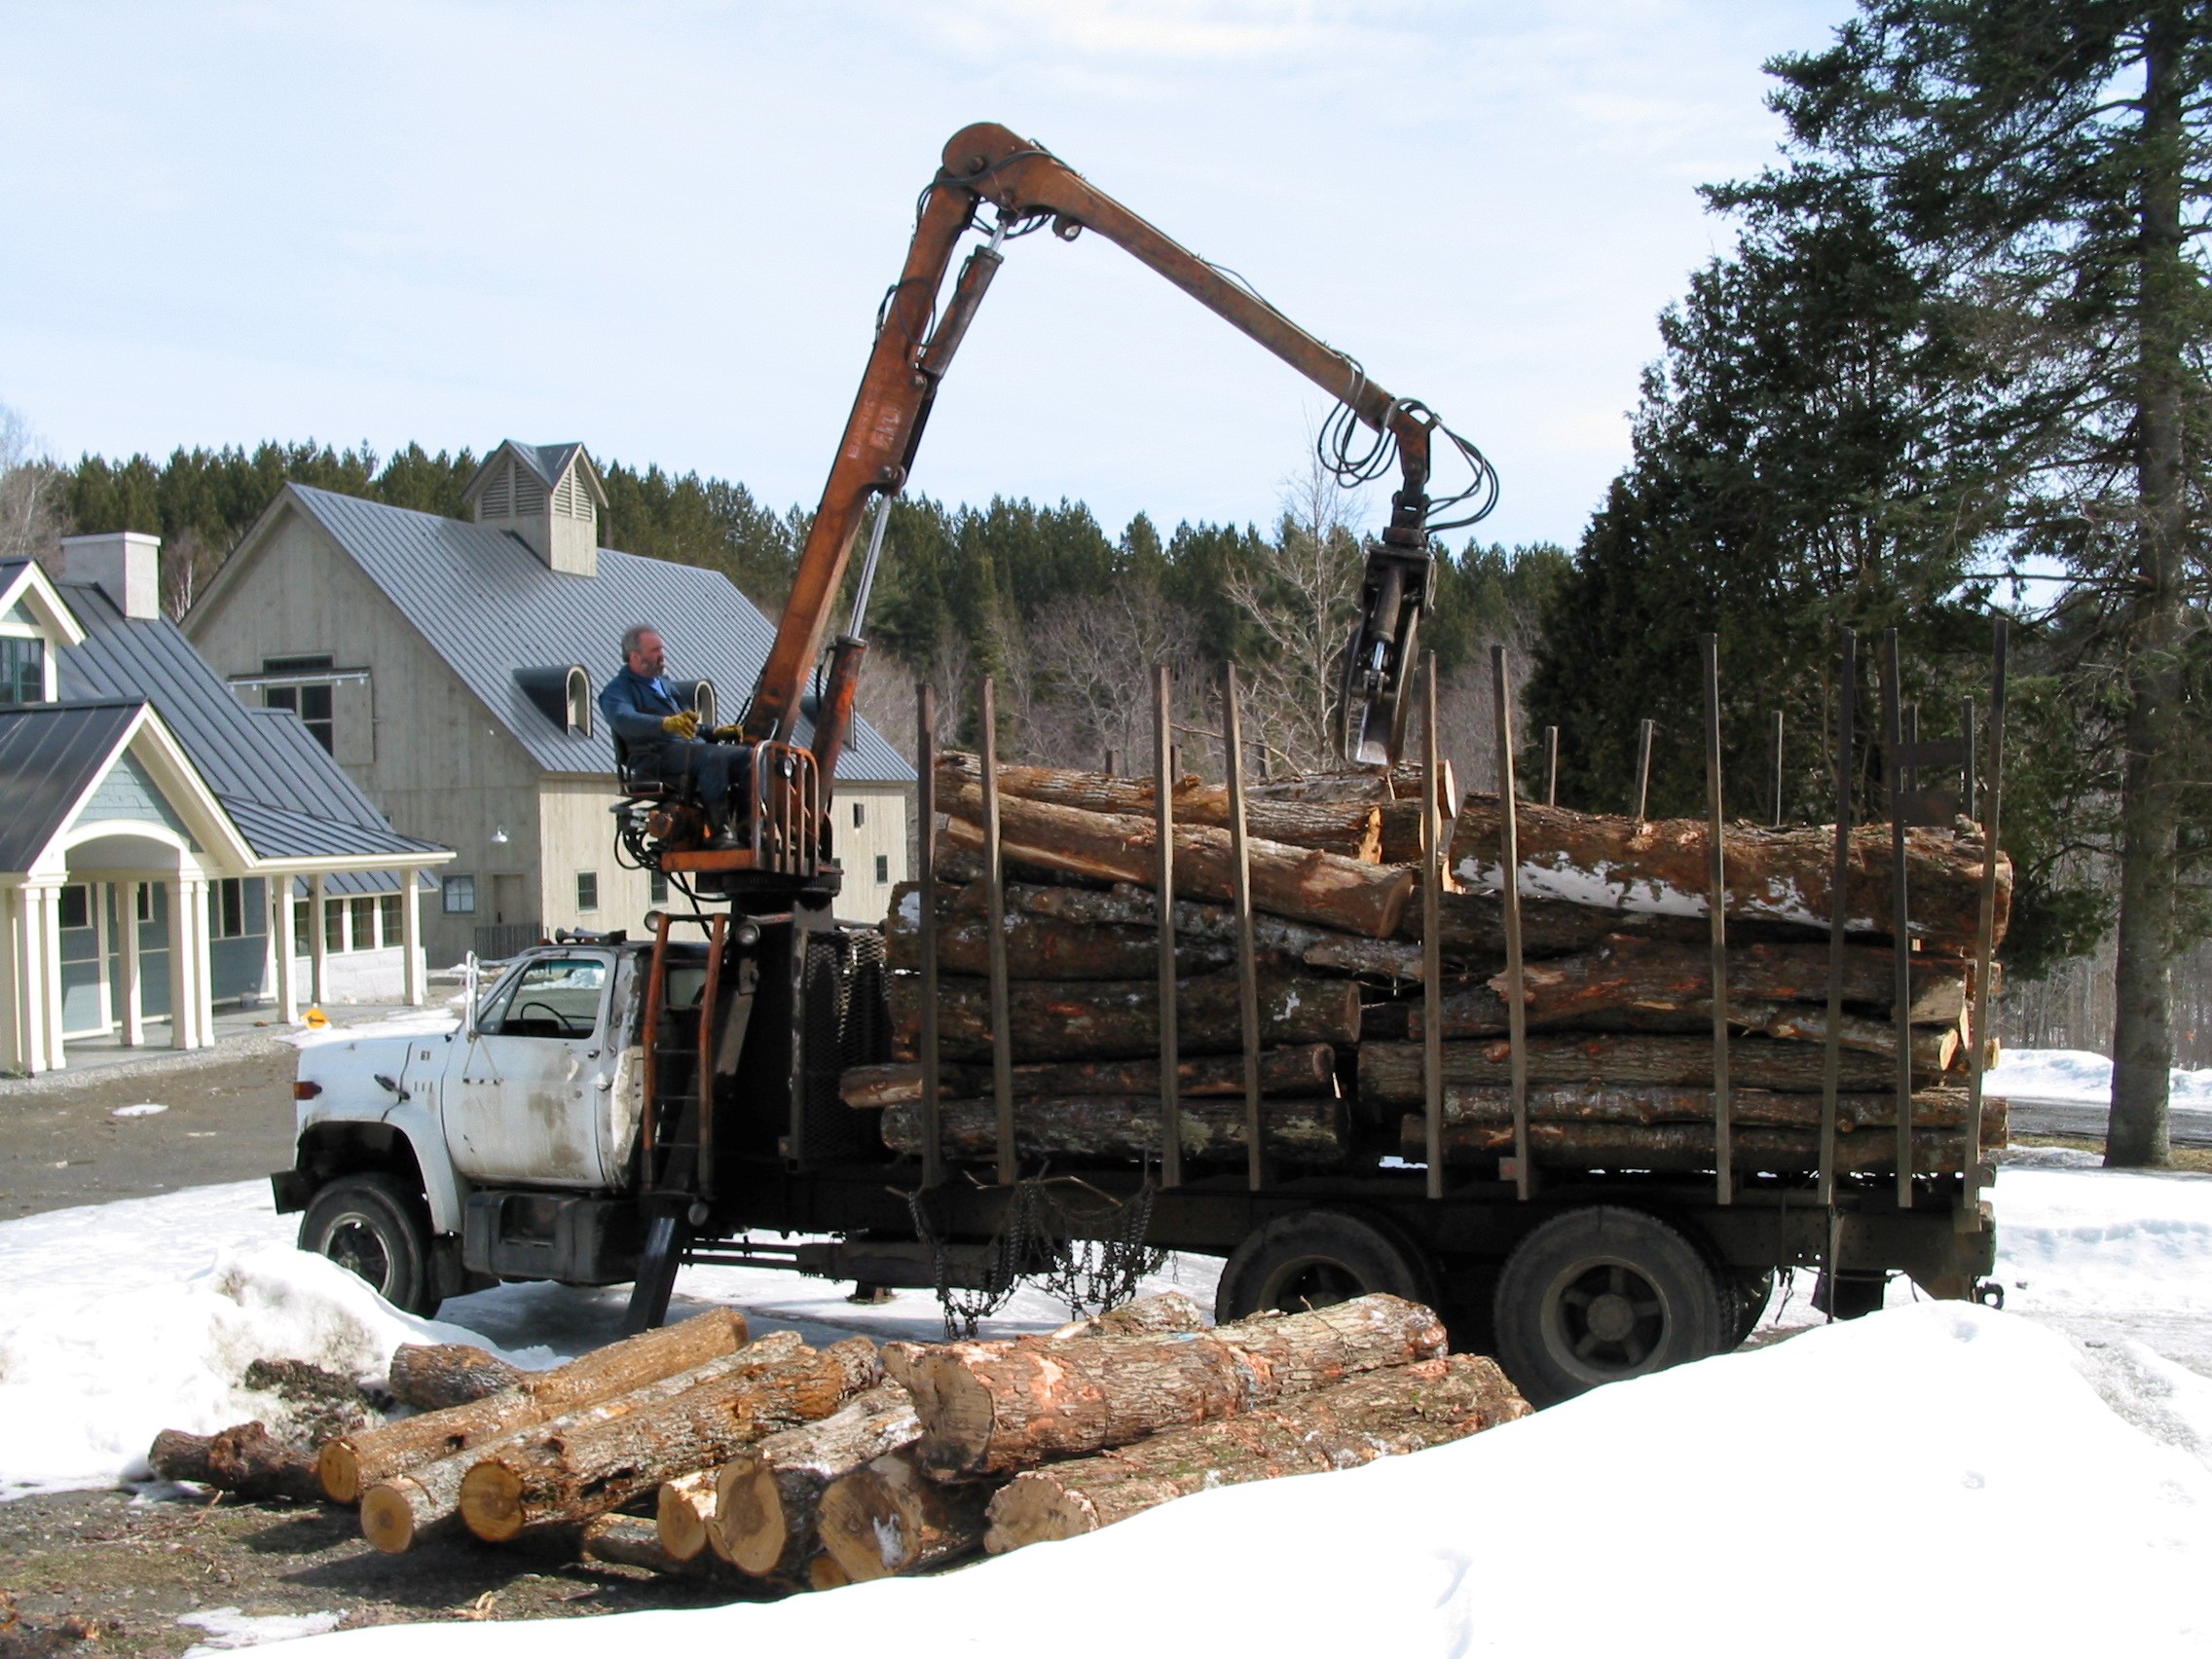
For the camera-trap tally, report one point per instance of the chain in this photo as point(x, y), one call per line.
point(1068, 1250)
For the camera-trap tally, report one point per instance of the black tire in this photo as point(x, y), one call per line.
point(1318, 1258)
point(1601, 1294)
point(373, 1226)
point(1749, 1294)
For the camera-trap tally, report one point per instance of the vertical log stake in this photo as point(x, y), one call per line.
point(1643, 730)
point(1248, 965)
point(1717, 903)
point(1900, 912)
point(925, 792)
point(1509, 864)
point(1431, 931)
point(1831, 1058)
point(994, 892)
point(1986, 932)
point(1170, 1045)
point(1550, 764)
point(1778, 768)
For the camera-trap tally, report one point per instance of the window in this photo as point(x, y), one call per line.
point(658, 887)
point(587, 890)
point(459, 895)
point(226, 908)
point(364, 923)
point(145, 901)
point(860, 813)
point(22, 669)
point(333, 924)
point(390, 924)
point(303, 923)
point(553, 997)
point(312, 703)
point(77, 906)
point(883, 867)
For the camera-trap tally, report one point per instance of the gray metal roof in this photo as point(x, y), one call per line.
point(488, 606)
point(50, 755)
point(282, 789)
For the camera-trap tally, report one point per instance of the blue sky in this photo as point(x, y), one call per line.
point(663, 229)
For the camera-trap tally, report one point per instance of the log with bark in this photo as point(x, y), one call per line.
point(1374, 783)
point(349, 1465)
point(1390, 1073)
point(685, 1515)
point(399, 1512)
point(430, 1377)
point(244, 1458)
point(768, 1497)
point(889, 1517)
point(1352, 830)
point(1762, 1108)
point(1306, 1131)
point(1627, 972)
point(1688, 1148)
point(1472, 928)
point(1148, 1315)
point(1325, 889)
point(1127, 905)
point(1478, 1010)
point(544, 1480)
point(1109, 1018)
point(1378, 1414)
point(631, 1540)
point(1401, 831)
point(994, 1407)
point(1614, 863)
point(1038, 948)
point(1305, 1068)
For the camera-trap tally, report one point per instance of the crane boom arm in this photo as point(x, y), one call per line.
point(1022, 182)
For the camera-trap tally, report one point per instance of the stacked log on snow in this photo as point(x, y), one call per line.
point(1617, 984)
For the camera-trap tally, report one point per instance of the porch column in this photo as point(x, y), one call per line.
point(48, 900)
point(22, 1021)
point(204, 967)
point(102, 894)
point(411, 935)
point(134, 1010)
point(280, 915)
point(319, 947)
point(184, 999)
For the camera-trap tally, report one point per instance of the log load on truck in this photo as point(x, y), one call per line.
point(1585, 1082)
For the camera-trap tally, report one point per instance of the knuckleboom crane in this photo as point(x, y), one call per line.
point(1024, 187)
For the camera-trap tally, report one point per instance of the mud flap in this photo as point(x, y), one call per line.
point(666, 1236)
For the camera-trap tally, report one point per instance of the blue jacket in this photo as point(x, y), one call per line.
point(635, 706)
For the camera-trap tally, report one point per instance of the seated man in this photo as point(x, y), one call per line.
point(644, 716)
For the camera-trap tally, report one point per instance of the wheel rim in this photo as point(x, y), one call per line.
point(1315, 1281)
point(355, 1245)
point(1605, 1319)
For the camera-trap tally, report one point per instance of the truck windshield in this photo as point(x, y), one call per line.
point(552, 997)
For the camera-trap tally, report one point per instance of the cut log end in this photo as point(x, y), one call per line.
point(1035, 1512)
point(387, 1517)
point(339, 1472)
point(683, 1516)
point(491, 1502)
point(752, 1518)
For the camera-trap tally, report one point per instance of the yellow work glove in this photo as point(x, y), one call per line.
point(685, 724)
point(728, 733)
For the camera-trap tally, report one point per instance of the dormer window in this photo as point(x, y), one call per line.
point(22, 669)
point(562, 694)
point(545, 495)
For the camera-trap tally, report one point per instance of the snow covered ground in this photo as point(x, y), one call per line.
point(2075, 1077)
point(2073, 1429)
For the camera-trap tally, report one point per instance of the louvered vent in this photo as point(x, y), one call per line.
point(530, 495)
point(498, 499)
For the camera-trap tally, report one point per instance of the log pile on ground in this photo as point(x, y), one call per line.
point(1617, 986)
point(768, 1462)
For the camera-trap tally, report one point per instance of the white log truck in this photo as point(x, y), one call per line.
point(561, 1133)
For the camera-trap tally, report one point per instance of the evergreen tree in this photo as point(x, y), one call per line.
point(2048, 163)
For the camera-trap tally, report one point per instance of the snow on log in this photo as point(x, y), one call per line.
point(429, 1376)
point(1378, 1414)
point(546, 1479)
point(1688, 1148)
point(994, 1407)
point(768, 1497)
point(1390, 1073)
point(888, 1517)
point(399, 1512)
point(1305, 1068)
point(1325, 889)
point(349, 1465)
point(1612, 862)
point(1109, 1019)
point(1307, 1131)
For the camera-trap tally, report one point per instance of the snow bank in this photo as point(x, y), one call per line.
point(1659, 1508)
point(2076, 1077)
point(125, 1319)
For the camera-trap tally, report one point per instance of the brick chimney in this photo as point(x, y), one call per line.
point(122, 563)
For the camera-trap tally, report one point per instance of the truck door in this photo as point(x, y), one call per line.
point(525, 1105)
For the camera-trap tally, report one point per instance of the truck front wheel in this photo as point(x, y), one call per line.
point(373, 1226)
point(1603, 1293)
point(1317, 1258)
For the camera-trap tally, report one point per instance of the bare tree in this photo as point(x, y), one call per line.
point(1302, 599)
point(1093, 661)
point(30, 508)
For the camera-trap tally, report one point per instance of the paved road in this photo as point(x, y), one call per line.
point(2071, 1118)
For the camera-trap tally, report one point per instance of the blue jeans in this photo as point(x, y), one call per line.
point(716, 769)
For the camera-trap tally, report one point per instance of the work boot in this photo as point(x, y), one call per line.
point(725, 838)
